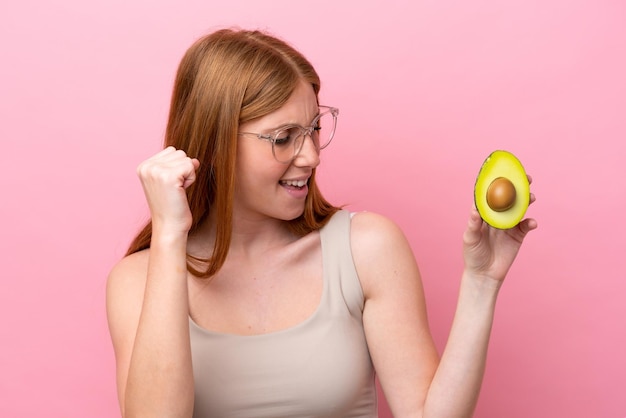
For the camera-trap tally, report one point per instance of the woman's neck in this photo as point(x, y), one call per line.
point(251, 237)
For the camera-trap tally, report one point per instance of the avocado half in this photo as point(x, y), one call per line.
point(502, 190)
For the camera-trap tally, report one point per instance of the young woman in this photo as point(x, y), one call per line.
point(249, 295)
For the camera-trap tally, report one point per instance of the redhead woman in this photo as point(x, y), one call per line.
point(249, 295)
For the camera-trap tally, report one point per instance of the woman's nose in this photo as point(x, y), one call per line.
point(309, 155)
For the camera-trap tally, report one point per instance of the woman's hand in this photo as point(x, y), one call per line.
point(164, 178)
point(490, 252)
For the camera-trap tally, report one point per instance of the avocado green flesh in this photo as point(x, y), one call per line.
point(502, 164)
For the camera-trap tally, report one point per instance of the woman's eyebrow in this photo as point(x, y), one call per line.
point(290, 124)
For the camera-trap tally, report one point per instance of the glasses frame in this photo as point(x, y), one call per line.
point(304, 131)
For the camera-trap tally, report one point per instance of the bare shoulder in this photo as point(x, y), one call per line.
point(125, 288)
point(130, 271)
point(380, 250)
point(369, 228)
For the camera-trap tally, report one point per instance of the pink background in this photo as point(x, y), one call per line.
point(427, 89)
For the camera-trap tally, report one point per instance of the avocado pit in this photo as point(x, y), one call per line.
point(501, 194)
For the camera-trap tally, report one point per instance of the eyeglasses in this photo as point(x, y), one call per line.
point(287, 140)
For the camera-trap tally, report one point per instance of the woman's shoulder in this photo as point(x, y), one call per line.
point(131, 264)
point(380, 249)
point(124, 294)
point(129, 272)
point(370, 231)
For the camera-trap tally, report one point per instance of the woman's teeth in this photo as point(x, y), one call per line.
point(295, 183)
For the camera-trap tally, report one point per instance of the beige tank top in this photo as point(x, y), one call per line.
point(318, 368)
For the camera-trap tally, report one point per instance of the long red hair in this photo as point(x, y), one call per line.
point(225, 79)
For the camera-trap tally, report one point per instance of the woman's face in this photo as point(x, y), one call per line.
point(265, 187)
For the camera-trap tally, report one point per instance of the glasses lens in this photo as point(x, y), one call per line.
point(287, 143)
point(324, 130)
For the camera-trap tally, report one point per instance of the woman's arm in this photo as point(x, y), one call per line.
point(415, 382)
point(147, 302)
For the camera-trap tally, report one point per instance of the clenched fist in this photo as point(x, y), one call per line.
point(164, 178)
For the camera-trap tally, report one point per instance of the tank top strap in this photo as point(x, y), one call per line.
point(343, 287)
